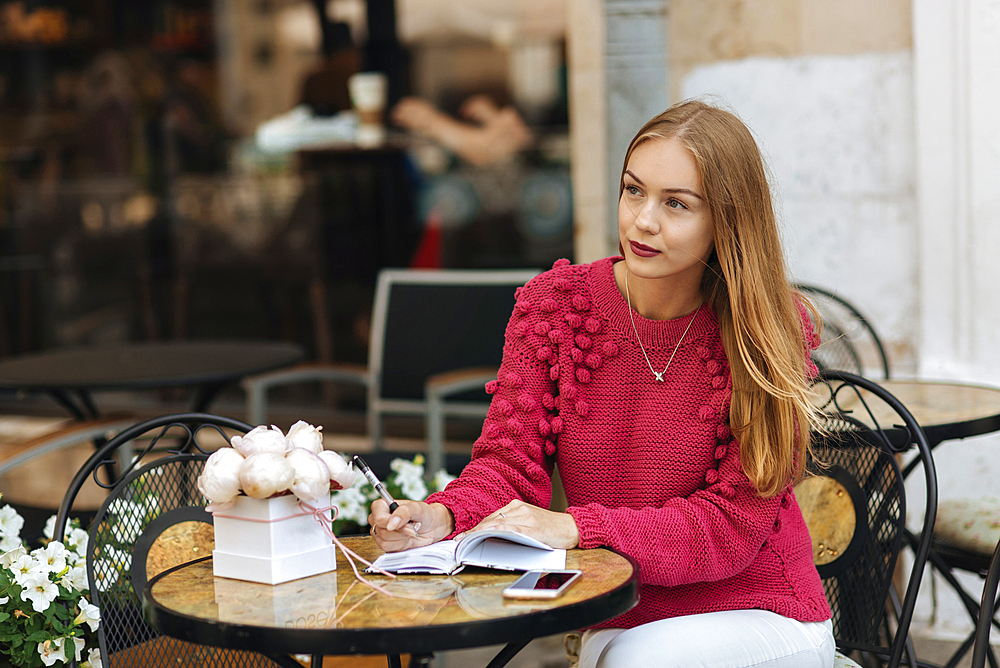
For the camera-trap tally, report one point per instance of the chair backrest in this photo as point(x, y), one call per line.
point(428, 322)
point(986, 606)
point(854, 502)
point(153, 518)
point(848, 341)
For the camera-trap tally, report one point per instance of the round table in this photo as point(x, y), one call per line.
point(209, 365)
point(949, 410)
point(333, 613)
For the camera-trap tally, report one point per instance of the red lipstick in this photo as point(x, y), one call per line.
point(642, 250)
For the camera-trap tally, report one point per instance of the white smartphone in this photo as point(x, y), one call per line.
point(542, 584)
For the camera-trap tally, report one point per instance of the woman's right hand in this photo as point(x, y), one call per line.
point(414, 524)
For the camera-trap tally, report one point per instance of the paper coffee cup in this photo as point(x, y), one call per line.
point(368, 91)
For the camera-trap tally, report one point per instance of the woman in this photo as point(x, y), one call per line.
point(671, 386)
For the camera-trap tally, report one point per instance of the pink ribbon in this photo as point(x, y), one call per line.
point(319, 514)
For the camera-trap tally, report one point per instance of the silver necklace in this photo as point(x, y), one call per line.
point(659, 376)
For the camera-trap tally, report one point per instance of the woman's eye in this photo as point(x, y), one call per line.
point(675, 204)
point(632, 190)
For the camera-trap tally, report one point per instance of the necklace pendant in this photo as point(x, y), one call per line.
point(659, 376)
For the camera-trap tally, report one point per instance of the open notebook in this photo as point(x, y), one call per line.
point(506, 550)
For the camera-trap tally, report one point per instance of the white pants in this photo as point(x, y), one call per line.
point(730, 639)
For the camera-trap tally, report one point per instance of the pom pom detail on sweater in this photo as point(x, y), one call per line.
point(649, 468)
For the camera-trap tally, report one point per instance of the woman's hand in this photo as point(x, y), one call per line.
point(552, 528)
point(414, 524)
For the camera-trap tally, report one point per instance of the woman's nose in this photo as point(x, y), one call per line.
point(646, 219)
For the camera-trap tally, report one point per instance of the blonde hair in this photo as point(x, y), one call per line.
point(746, 285)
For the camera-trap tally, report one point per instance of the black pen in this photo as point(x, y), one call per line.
point(377, 484)
point(383, 492)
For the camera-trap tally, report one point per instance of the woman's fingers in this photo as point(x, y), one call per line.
point(552, 528)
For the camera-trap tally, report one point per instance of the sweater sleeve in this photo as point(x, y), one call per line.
point(509, 459)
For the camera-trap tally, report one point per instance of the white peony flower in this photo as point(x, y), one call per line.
point(261, 439)
point(220, 479)
point(10, 522)
point(265, 474)
point(342, 474)
point(39, 590)
point(312, 477)
point(304, 435)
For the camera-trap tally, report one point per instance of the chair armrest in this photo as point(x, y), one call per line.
point(256, 387)
point(436, 389)
point(444, 384)
point(68, 436)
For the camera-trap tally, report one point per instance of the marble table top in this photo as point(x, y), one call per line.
point(332, 612)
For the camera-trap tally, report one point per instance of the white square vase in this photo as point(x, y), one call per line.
point(270, 541)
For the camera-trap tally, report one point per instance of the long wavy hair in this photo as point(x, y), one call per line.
point(746, 284)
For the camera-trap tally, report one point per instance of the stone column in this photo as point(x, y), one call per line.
point(958, 167)
point(618, 80)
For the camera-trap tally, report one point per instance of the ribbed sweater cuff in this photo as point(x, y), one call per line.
point(590, 526)
point(464, 520)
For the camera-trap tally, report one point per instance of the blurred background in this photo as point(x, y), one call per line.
point(175, 169)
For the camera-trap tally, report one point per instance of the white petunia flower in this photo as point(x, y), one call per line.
point(77, 541)
point(151, 503)
point(78, 646)
point(304, 435)
point(352, 503)
point(24, 567)
point(4, 599)
point(53, 650)
point(39, 590)
point(9, 543)
point(89, 615)
point(50, 527)
point(124, 507)
point(76, 578)
point(111, 563)
point(441, 480)
point(410, 477)
point(12, 555)
point(52, 556)
point(93, 659)
point(10, 522)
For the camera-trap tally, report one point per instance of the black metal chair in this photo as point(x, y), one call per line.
point(424, 323)
point(947, 558)
point(988, 602)
point(848, 341)
point(854, 502)
point(153, 518)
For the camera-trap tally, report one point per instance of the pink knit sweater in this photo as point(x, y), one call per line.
point(649, 468)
